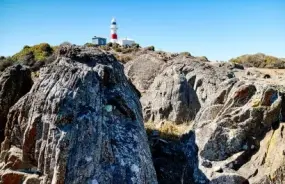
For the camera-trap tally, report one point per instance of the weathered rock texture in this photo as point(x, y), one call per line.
point(239, 135)
point(143, 69)
point(181, 89)
point(80, 123)
point(238, 132)
point(15, 82)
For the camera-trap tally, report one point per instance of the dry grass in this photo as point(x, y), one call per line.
point(168, 129)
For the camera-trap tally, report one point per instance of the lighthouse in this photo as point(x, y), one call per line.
point(114, 28)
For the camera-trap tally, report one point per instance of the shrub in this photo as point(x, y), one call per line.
point(115, 45)
point(118, 49)
point(26, 47)
point(2, 58)
point(104, 47)
point(39, 52)
point(135, 45)
point(37, 56)
point(168, 130)
point(185, 54)
point(127, 50)
point(259, 60)
point(110, 44)
point(150, 48)
point(204, 58)
point(6, 63)
point(90, 45)
point(125, 59)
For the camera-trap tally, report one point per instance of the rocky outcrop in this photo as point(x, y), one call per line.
point(181, 89)
point(237, 132)
point(15, 82)
point(143, 69)
point(237, 121)
point(80, 123)
point(171, 98)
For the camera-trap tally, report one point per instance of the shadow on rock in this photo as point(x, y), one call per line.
point(172, 164)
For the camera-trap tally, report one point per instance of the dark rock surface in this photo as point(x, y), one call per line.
point(15, 82)
point(80, 123)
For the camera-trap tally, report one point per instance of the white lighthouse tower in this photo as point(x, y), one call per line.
point(114, 28)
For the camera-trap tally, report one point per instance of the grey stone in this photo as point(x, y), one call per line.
point(82, 122)
point(181, 89)
point(15, 82)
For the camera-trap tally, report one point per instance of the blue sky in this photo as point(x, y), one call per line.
point(218, 29)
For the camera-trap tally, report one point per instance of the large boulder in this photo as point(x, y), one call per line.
point(15, 82)
point(170, 97)
point(80, 123)
point(181, 89)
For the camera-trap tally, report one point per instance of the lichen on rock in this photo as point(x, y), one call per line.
point(65, 130)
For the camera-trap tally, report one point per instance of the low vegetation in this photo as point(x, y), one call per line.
point(34, 56)
point(37, 52)
point(150, 48)
point(260, 60)
point(5, 62)
point(90, 45)
point(168, 130)
point(123, 49)
point(124, 53)
point(187, 54)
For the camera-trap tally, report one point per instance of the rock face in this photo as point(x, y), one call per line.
point(170, 97)
point(237, 121)
point(143, 69)
point(15, 82)
point(80, 123)
point(181, 89)
point(237, 132)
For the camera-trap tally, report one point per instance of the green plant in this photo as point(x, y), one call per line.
point(126, 50)
point(135, 45)
point(110, 44)
point(150, 48)
point(125, 59)
point(169, 130)
point(259, 60)
point(26, 47)
point(6, 63)
point(185, 54)
point(204, 58)
point(89, 45)
point(39, 52)
point(118, 49)
point(115, 45)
